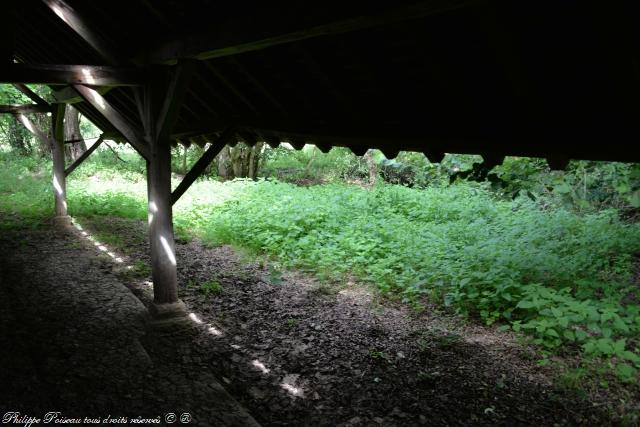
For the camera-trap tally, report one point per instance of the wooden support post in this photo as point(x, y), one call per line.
point(56, 142)
point(160, 106)
point(84, 156)
point(57, 152)
point(163, 258)
point(201, 164)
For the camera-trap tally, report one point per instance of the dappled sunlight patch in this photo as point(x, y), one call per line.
point(488, 339)
point(57, 186)
point(260, 366)
point(168, 250)
point(289, 384)
point(195, 319)
point(153, 210)
point(99, 245)
point(89, 77)
point(214, 331)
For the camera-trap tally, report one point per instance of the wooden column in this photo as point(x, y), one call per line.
point(160, 102)
point(57, 152)
point(163, 259)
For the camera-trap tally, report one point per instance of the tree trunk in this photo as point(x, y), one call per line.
point(254, 159)
point(17, 138)
point(373, 168)
point(184, 159)
point(223, 159)
point(72, 132)
point(240, 161)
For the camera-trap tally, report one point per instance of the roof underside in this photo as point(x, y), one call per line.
point(548, 78)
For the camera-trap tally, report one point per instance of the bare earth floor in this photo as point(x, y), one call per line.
point(290, 349)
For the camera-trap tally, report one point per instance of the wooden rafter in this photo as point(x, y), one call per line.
point(233, 41)
point(230, 86)
point(32, 95)
point(115, 118)
point(83, 28)
point(254, 80)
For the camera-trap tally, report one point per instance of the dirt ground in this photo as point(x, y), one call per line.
point(296, 351)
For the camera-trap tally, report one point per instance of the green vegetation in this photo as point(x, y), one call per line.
point(210, 287)
point(548, 254)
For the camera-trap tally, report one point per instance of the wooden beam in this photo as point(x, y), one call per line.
point(173, 98)
point(230, 41)
point(83, 29)
point(57, 74)
point(113, 116)
point(201, 164)
point(32, 95)
point(68, 95)
point(84, 156)
point(24, 109)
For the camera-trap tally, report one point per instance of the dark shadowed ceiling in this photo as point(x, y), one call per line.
point(555, 79)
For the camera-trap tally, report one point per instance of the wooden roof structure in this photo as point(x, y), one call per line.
point(553, 79)
point(494, 77)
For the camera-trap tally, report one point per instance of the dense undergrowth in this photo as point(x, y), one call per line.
point(566, 279)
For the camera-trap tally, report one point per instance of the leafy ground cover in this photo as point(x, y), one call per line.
point(563, 279)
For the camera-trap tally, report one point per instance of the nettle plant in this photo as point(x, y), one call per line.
point(601, 328)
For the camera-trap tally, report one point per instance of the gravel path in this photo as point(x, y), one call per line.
point(74, 339)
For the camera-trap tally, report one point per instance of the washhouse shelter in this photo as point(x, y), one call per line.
point(553, 79)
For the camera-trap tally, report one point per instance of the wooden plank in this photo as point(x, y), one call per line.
point(70, 17)
point(84, 156)
point(201, 164)
point(113, 116)
point(59, 74)
point(230, 41)
point(24, 109)
point(32, 95)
